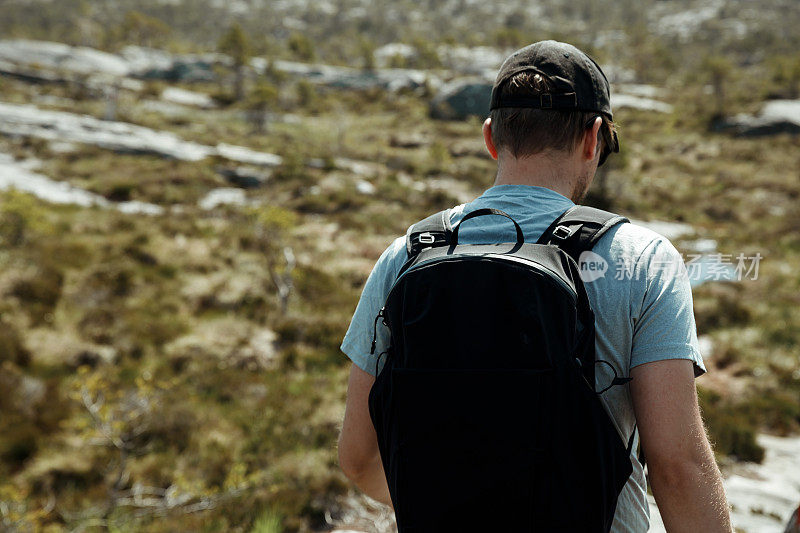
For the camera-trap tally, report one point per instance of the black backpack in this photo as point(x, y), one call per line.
point(485, 410)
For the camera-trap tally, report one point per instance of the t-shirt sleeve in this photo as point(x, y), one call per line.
point(358, 339)
point(665, 327)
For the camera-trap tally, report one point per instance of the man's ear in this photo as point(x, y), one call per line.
point(591, 142)
point(487, 137)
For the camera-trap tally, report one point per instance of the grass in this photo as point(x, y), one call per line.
point(268, 522)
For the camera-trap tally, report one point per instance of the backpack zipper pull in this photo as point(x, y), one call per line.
point(380, 315)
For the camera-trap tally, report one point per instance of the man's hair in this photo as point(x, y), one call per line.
point(526, 131)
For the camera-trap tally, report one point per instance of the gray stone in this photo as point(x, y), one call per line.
point(61, 57)
point(461, 99)
point(390, 79)
point(31, 121)
point(28, 120)
point(246, 177)
point(776, 117)
point(149, 63)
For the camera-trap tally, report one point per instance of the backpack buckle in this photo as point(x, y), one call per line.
point(562, 232)
point(426, 238)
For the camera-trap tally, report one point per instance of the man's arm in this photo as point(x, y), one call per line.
point(359, 456)
point(683, 473)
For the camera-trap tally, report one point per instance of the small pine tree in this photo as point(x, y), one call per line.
point(262, 99)
point(786, 74)
point(302, 47)
point(718, 70)
point(236, 44)
point(142, 29)
point(306, 94)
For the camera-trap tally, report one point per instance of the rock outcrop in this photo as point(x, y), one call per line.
point(776, 117)
point(461, 99)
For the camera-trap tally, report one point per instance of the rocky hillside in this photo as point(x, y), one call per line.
point(188, 212)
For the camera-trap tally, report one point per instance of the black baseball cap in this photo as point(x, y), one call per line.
point(579, 82)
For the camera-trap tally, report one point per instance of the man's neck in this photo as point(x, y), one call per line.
point(552, 171)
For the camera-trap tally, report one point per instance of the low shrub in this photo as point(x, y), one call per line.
point(731, 427)
point(11, 346)
point(39, 292)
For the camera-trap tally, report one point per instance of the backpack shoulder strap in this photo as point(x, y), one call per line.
point(436, 230)
point(579, 228)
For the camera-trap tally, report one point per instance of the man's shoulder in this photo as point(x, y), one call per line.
point(633, 241)
point(638, 255)
point(392, 258)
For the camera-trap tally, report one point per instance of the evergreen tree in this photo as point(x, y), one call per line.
point(236, 44)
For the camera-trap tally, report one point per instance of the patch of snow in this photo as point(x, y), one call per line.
point(670, 230)
point(52, 100)
point(479, 60)
point(135, 207)
point(59, 56)
point(702, 246)
point(788, 110)
point(222, 196)
point(29, 120)
point(246, 155)
point(360, 168)
point(637, 102)
point(142, 59)
point(188, 98)
point(769, 490)
point(706, 346)
point(702, 261)
point(365, 187)
point(640, 89)
point(384, 55)
point(609, 39)
point(617, 74)
point(165, 108)
point(234, 7)
point(685, 23)
point(130, 84)
point(14, 175)
point(18, 175)
point(62, 147)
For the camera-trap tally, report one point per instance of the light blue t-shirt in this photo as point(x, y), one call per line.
point(642, 302)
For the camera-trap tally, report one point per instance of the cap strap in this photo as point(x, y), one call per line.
point(542, 101)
